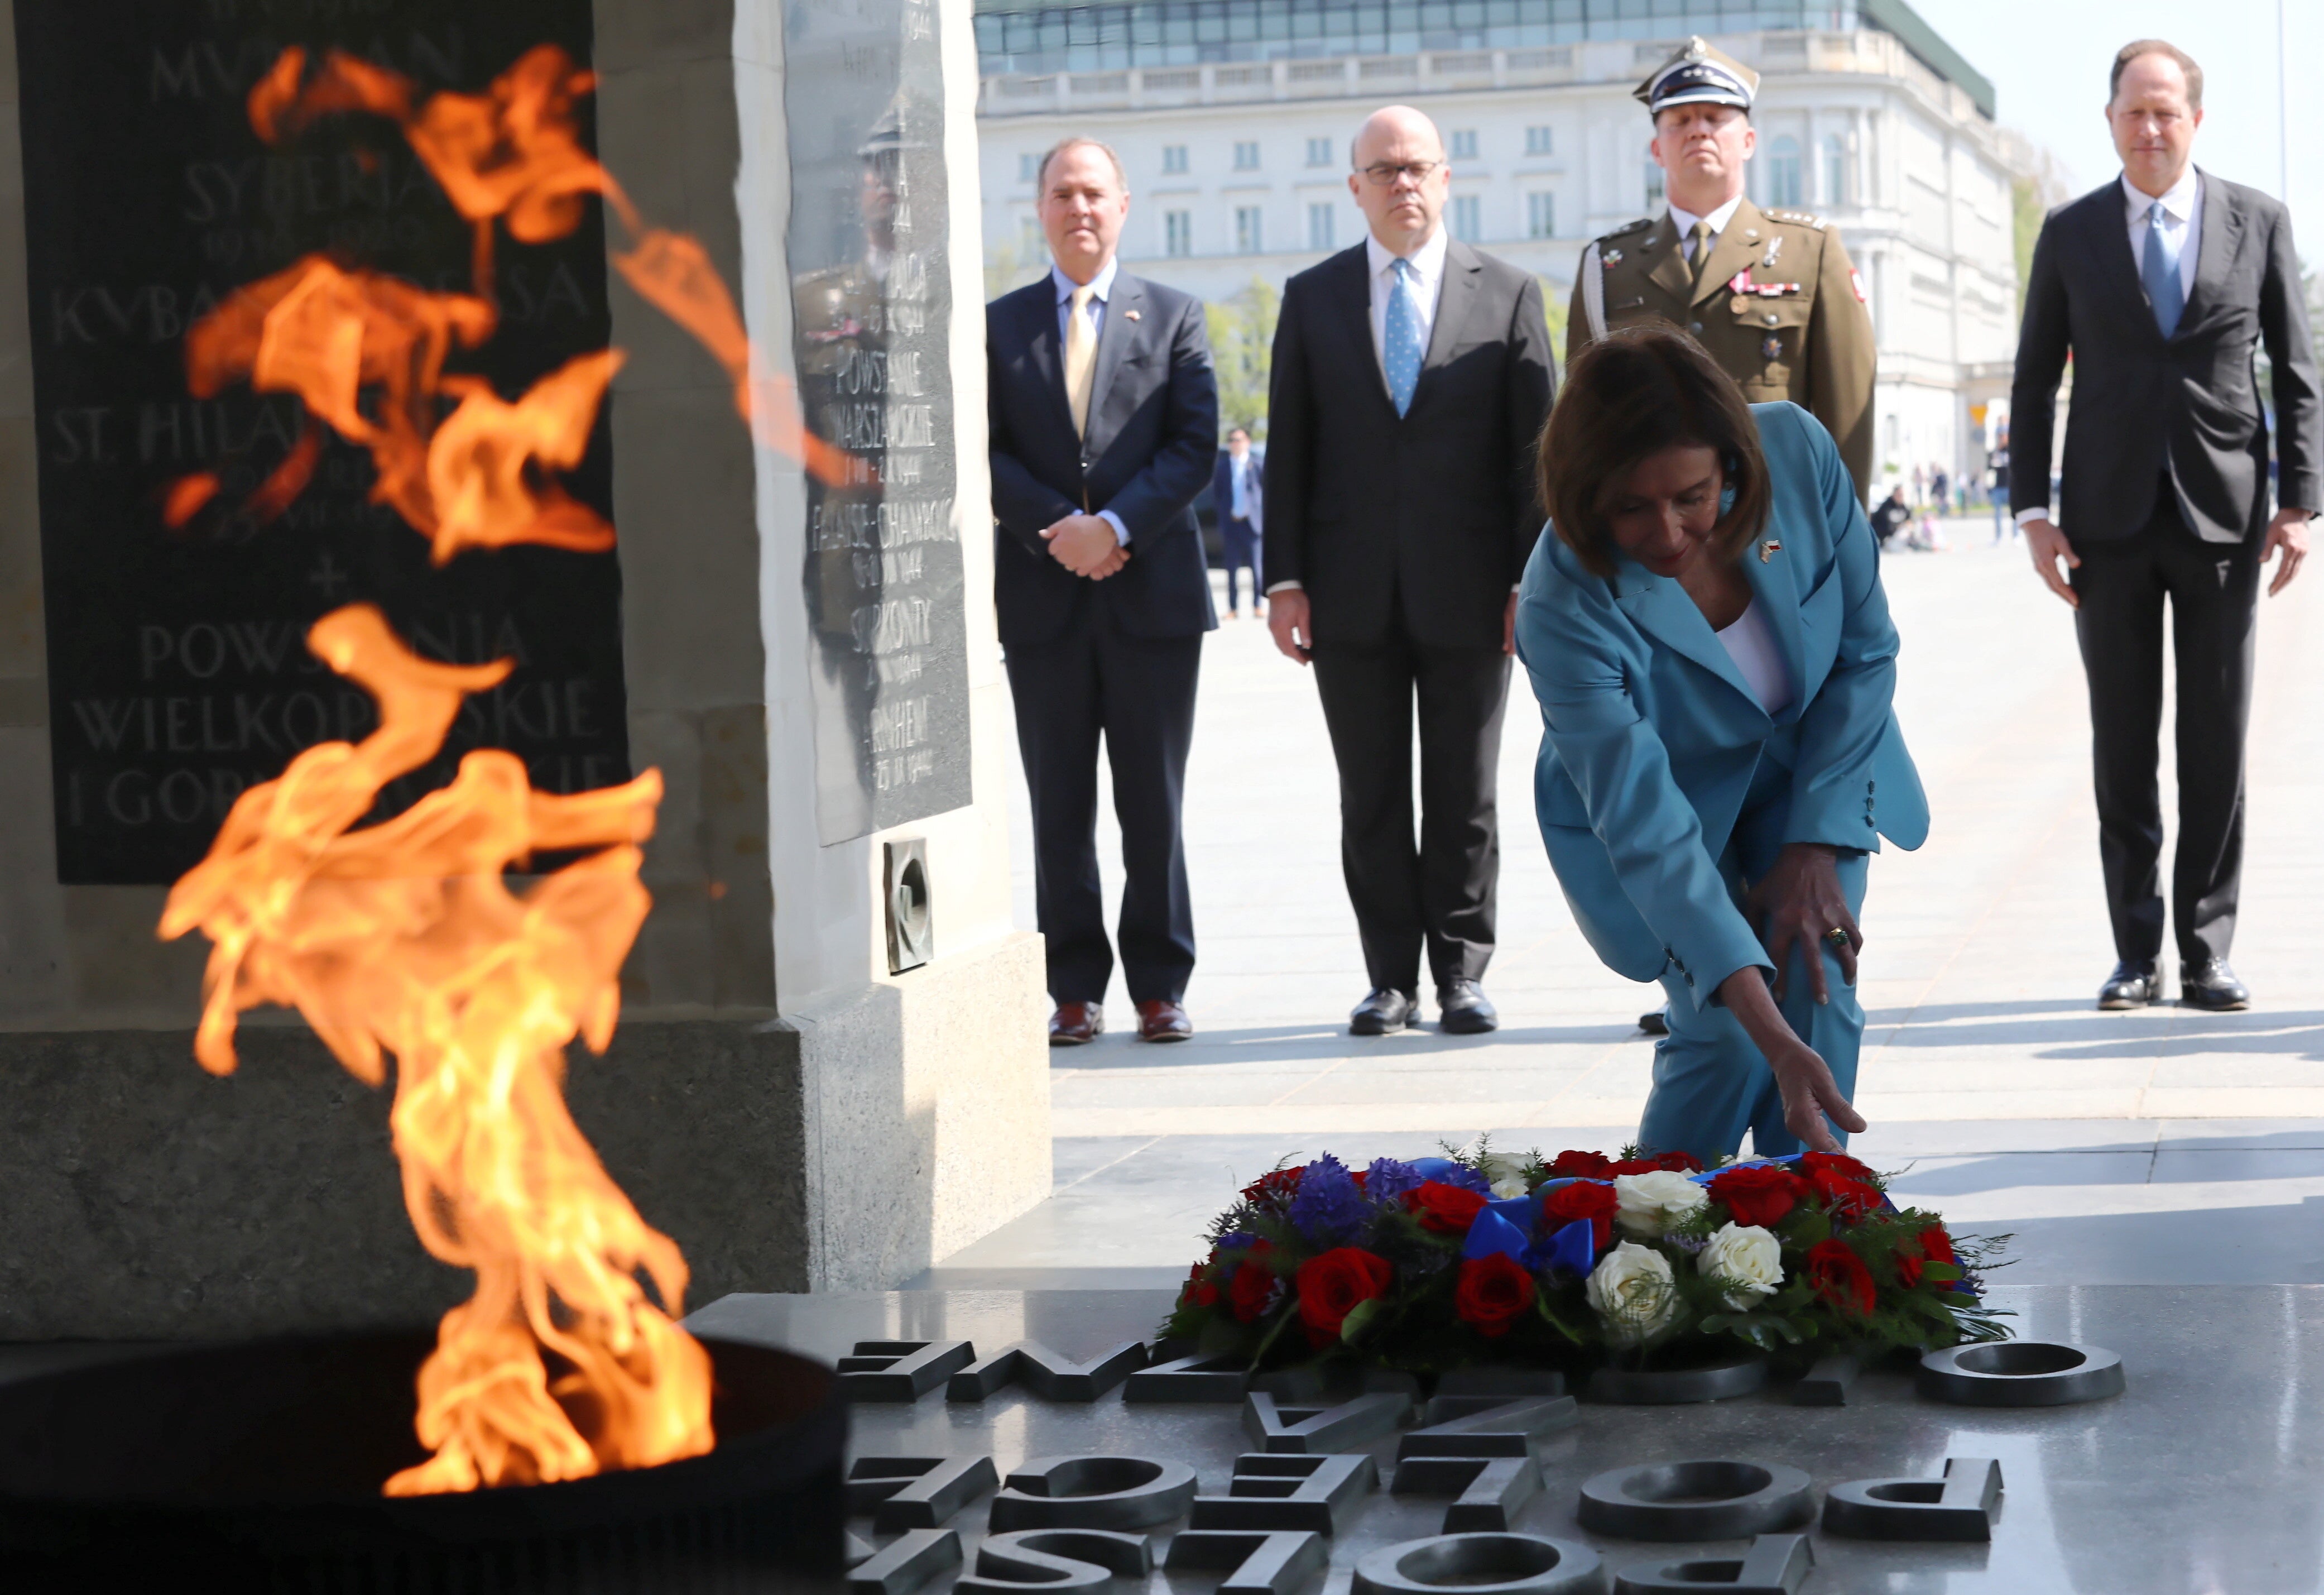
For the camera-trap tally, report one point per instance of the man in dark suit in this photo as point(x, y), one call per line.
point(2161, 285)
point(1104, 417)
point(1412, 375)
point(1236, 486)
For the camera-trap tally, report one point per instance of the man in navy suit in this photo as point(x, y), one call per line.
point(2163, 285)
point(1236, 488)
point(1105, 418)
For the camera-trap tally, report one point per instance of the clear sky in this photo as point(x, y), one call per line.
point(2048, 60)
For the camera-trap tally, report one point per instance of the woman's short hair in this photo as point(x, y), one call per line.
point(1633, 394)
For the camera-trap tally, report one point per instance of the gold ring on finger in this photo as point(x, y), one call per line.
point(1837, 936)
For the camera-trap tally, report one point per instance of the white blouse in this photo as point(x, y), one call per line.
point(1751, 643)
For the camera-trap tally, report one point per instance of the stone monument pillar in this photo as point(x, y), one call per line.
point(830, 1068)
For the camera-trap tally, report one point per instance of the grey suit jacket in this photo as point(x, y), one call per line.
point(2144, 405)
point(1427, 517)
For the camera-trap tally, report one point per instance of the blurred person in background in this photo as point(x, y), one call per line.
point(1237, 485)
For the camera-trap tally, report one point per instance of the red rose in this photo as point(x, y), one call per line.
point(1273, 1190)
point(1253, 1285)
point(1199, 1292)
point(1632, 1166)
point(1839, 1162)
point(1581, 1165)
point(1909, 1264)
point(1583, 1200)
point(1448, 1210)
point(1938, 1247)
point(1335, 1284)
point(1840, 1276)
point(1846, 1198)
point(1761, 1195)
point(1677, 1163)
point(1493, 1292)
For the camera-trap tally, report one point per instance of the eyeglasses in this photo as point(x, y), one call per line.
point(1386, 174)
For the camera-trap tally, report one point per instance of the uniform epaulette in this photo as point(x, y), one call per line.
point(1626, 228)
point(1799, 218)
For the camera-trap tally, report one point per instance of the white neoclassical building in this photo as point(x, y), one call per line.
point(1233, 117)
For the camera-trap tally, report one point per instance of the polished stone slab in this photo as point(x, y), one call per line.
point(2200, 1478)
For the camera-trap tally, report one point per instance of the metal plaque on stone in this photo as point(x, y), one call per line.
point(179, 674)
point(868, 235)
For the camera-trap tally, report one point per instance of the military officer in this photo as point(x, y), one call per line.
point(1770, 293)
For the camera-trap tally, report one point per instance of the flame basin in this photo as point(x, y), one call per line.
point(256, 1467)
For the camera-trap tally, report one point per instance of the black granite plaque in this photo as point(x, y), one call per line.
point(178, 670)
point(864, 98)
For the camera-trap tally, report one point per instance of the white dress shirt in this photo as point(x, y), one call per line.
point(2182, 218)
point(1428, 283)
point(1100, 289)
point(1684, 220)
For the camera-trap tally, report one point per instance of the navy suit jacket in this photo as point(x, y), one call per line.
point(1153, 430)
point(1254, 491)
point(2144, 404)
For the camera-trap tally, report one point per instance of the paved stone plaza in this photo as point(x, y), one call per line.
point(2164, 1145)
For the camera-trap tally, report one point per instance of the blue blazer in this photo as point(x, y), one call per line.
point(1651, 736)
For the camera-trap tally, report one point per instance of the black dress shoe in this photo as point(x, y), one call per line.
point(1655, 1023)
point(1384, 1010)
point(1461, 1009)
point(2133, 984)
point(2212, 985)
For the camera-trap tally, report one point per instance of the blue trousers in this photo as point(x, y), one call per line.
point(1242, 545)
point(1712, 1083)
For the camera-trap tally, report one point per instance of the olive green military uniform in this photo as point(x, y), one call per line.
point(1779, 307)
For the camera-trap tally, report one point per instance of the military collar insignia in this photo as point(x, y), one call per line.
point(1610, 257)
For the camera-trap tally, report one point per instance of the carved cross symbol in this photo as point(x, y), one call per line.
point(327, 576)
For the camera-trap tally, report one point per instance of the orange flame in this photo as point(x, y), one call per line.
point(402, 938)
point(510, 155)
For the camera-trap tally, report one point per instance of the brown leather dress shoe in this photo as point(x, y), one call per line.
point(1163, 1020)
point(1076, 1022)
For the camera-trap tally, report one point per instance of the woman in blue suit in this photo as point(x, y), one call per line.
point(1712, 652)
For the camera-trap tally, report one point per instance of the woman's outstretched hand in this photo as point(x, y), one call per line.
point(1799, 902)
point(1811, 1095)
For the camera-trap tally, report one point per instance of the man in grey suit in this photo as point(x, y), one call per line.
point(1412, 375)
point(2163, 285)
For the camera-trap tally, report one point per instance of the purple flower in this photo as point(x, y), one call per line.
point(1444, 1171)
point(1388, 1180)
point(1330, 1209)
point(1236, 1240)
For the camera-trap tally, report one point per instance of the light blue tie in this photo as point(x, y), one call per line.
point(1401, 338)
point(2160, 275)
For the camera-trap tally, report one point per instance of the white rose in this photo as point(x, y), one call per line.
point(1633, 1289)
point(1746, 1259)
point(1504, 1174)
point(1647, 1204)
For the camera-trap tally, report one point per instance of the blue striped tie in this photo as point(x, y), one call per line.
point(2160, 275)
point(1402, 350)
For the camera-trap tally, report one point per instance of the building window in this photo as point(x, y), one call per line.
point(1246, 154)
point(1654, 185)
point(1541, 216)
point(1248, 237)
point(1784, 173)
point(1835, 170)
point(1464, 143)
point(1178, 232)
point(1174, 159)
point(1319, 226)
point(1539, 142)
point(1468, 224)
point(1319, 152)
point(1028, 169)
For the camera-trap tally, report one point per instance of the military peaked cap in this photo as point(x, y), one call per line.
point(1698, 75)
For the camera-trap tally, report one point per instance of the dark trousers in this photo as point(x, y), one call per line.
point(1439, 895)
point(1242, 541)
point(1139, 694)
point(2213, 588)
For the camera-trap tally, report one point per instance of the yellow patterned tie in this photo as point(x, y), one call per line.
point(1081, 357)
point(1698, 247)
